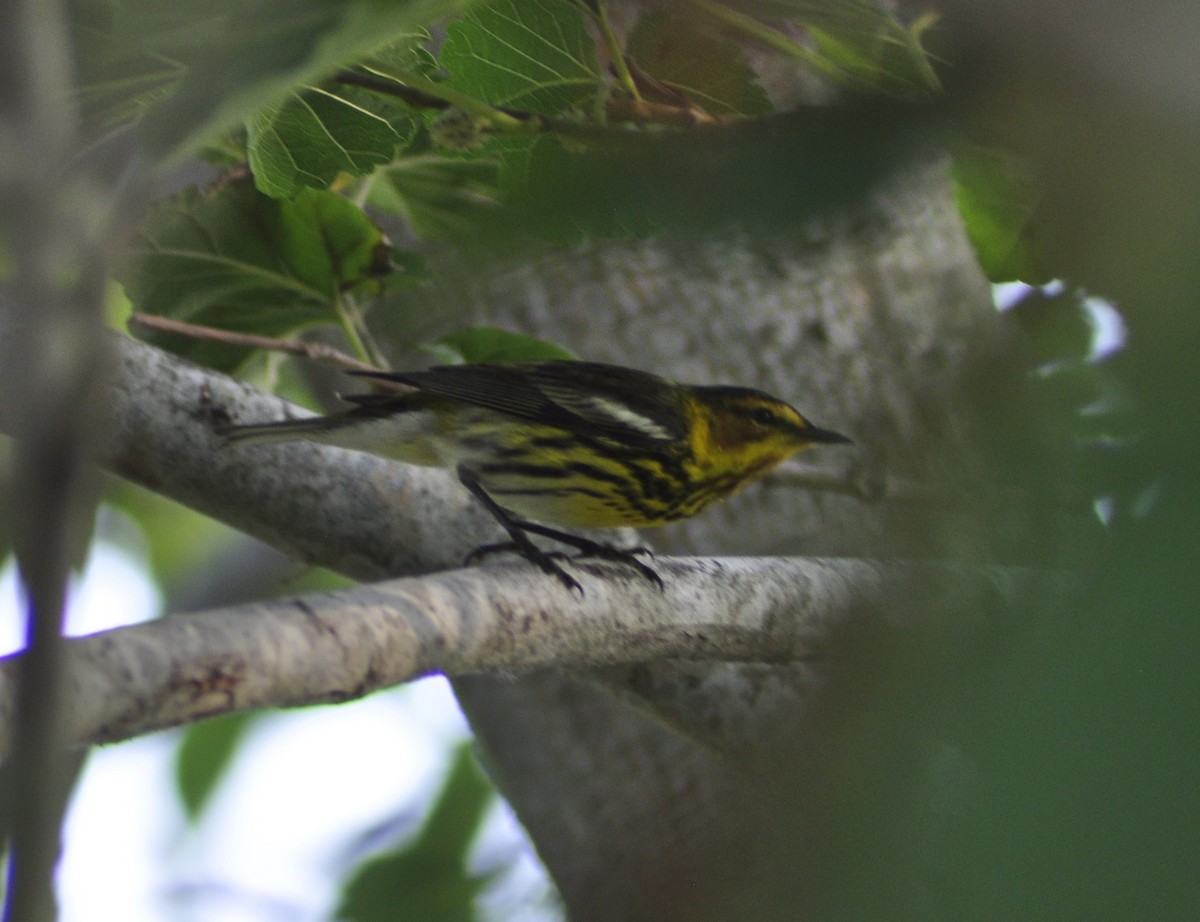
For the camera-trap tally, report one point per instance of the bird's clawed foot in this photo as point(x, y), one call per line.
point(548, 561)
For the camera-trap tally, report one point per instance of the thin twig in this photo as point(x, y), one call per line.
point(497, 116)
point(619, 110)
point(418, 99)
point(317, 352)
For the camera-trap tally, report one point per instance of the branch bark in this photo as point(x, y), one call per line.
point(363, 516)
point(850, 327)
point(502, 619)
point(876, 322)
point(623, 774)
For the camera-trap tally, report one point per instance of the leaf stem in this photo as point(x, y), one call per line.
point(913, 33)
point(355, 328)
point(599, 14)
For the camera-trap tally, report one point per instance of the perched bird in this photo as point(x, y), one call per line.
point(571, 444)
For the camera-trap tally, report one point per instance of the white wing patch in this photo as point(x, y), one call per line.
point(621, 414)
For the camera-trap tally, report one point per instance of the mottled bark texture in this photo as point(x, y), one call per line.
point(505, 618)
point(666, 791)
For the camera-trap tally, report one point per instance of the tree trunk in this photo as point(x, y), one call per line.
point(682, 791)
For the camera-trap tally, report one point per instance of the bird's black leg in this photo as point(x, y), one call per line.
point(516, 531)
point(589, 548)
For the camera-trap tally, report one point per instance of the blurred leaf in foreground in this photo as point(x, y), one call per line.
point(705, 68)
point(428, 878)
point(998, 200)
point(204, 754)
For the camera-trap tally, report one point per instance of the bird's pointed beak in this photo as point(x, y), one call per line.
point(826, 436)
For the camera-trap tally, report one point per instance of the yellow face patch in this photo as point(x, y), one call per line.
point(757, 428)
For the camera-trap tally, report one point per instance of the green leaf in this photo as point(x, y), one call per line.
point(531, 55)
point(488, 344)
point(998, 199)
point(457, 197)
point(206, 751)
point(236, 259)
point(428, 878)
point(514, 157)
point(180, 541)
point(705, 68)
point(129, 55)
point(868, 48)
point(195, 69)
point(319, 132)
point(1057, 325)
point(638, 183)
point(439, 197)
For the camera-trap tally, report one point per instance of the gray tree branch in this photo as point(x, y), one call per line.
point(876, 322)
point(608, 790)
point(502, 619)
point(360, 515)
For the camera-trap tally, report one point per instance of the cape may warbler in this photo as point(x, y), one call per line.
point(574, 444)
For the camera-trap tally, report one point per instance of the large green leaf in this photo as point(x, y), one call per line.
point(439, 197)
point(428, 878)
point(704, 67)
point(532, 55)
point(318, 132)
point(239, 260)
point(130, 54)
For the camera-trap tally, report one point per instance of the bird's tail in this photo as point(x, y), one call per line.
point(310, 429)
point(391, 425)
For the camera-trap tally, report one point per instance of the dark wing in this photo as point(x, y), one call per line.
point(628, 406)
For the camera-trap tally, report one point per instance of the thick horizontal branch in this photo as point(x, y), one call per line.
point(502, 618)
point(361, 515)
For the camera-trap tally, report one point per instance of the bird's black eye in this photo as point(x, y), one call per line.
point(763, 416)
